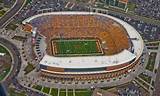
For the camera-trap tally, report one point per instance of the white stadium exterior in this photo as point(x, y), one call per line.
point(91, 71)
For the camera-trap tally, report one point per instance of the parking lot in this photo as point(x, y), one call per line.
point(149, 32)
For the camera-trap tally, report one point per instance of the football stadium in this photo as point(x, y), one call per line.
point(84, 49)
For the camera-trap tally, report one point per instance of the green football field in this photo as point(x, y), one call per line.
point(76, 47)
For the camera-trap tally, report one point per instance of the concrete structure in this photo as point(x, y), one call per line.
point(116, 67)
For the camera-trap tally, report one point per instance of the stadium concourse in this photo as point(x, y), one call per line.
point(68, 57)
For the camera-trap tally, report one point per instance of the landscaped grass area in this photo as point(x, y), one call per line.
point(2, 12)
point(1, 1)
point(38, 87)
point(84, 1)
point(13, 92)
point(4, 73)
point(70, 92)
point(11, 26)
point(62, 92)
point(151, 61)
point(131, 6)
point(46, 90)
point(54, 92)
point(76, 47)
point(83, 92)
point(29, 68)
point(145, 78)
point(19, 38)
point(5, 67)
point(3, 50)
point(28, 1)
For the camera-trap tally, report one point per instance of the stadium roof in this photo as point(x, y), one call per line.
point(88, 62)
point(96, 61)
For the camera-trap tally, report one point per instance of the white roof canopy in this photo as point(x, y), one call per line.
point(88, 62)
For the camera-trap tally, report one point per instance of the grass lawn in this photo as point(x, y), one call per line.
point(5, 72)
point(13, 92)
point(19, 38)
point(3, 50)
point(29, 68)
point(38, 87)
point(76, 47)
point(6, 68)
point(84, 1)
point(29, 1)
point(1, 1)
point(151, 61)
point(131, 6)
point(70, 92)
point(11, 26)
point(2, 12)
point(62, 93)
point(83, 92)
point(145, 77)
point(54, 92)
point(46, 90)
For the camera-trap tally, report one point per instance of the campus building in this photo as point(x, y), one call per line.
point(122, 4)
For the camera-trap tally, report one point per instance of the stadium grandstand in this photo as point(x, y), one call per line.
point(88, 48)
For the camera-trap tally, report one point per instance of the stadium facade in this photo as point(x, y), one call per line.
point(85, 49)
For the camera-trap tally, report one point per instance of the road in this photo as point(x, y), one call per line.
point(17, 61)
point(16, 56)
point(11, 13)
point(131, 15)
point(16, 69)
point(15, 52)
